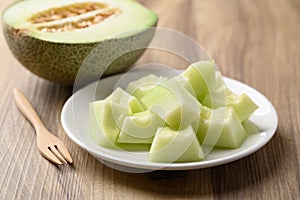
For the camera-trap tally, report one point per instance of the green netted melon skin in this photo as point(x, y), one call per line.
point(60, 62)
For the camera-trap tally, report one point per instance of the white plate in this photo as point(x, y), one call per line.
point(74, 118)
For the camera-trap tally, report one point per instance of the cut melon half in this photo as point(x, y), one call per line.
point(175, 146)
point(72, 21)
point(80, 40)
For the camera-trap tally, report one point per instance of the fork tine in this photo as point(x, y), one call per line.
point(64, 152)
point(44, 137)
point(57, 154)
point(50, 156)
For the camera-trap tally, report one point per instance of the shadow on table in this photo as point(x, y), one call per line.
point(248, 172)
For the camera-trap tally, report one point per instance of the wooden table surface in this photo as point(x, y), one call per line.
point(256, 42)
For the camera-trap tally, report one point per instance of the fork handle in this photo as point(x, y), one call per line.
point(27, 109)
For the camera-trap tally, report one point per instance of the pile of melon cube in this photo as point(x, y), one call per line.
point(175, 119)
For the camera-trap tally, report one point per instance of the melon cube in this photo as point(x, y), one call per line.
point(220, 127)
point(175, 146)
point(143, 85)
point(172, 103)
point(200, 77)
point(139, 87)
point(242, 104)
point(104, 123)
point(183, 82)
point(223, 96)
point(140, 128)
point(250, 127)
point(120, 96)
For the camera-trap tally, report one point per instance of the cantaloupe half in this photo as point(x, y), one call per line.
point(52, 38)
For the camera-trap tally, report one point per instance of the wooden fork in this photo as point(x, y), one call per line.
point(49, 145)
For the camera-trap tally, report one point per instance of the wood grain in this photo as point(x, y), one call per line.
point(257, 42)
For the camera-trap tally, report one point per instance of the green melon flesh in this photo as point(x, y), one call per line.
point(250, 127)
point(132, 16)
point(242, 104)
point(167, 115)
point(172, 103)
point(140, 128)
point(141, 86)
point(175, 146)
point(183, 82)
point(209, 88)
point(220, 127)
point(144, 85)
point(105, 119)
point(106, 48)
point(103, 122)
point(200, 77)
point(121, 97)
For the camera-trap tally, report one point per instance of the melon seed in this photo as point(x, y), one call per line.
point(83, 23)
point(97, 19)
point(65, 11)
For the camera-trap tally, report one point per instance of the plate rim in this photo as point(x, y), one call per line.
point(170, 166)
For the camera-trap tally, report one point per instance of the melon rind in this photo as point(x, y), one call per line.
point(60, 60)
point(60, 63)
